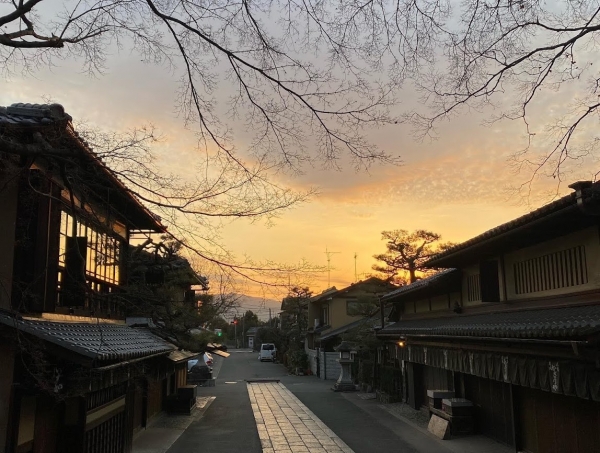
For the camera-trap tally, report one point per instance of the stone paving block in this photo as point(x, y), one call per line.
point(278, 438)
point(285, 425)
point(298, 449)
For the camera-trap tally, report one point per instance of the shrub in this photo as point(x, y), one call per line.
point(391, 380)
point(297, 358)
point(366, 372)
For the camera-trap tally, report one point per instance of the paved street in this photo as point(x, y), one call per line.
point(286, 425)
point(299, 414)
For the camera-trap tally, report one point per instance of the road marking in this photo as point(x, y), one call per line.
point(230, 382)
point(284, 424)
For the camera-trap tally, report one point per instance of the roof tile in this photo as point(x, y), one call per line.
point(548, 323)
point(102, 342)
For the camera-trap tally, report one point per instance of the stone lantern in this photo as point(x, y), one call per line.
point(344, 382)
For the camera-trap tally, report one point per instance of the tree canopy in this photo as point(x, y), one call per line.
point(306, 78)
point(406, 253)
point(308, 75)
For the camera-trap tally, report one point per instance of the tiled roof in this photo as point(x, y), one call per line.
point(101, 342)
point(333, 292)
point(36, 116)
point(340, 330)
point(550, 208)
point(422, 283)
point(318, 329)
point(33, 114)
point(548, 323)
point(325, 292)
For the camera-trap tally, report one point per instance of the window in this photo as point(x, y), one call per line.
point(484, 286)
point(87, 256)
point(473, 291)
point(560, 269)
point(325, 315)
point(354, 307)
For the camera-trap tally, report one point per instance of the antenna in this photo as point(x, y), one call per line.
point(355, 273)
point(328, 254)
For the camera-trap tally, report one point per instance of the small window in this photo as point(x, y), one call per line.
point(560, 269)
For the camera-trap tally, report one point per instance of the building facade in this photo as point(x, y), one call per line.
point(336, 312)
point(74, 376)
point(512, 324)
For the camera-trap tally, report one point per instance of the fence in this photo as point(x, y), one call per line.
point(327, 364)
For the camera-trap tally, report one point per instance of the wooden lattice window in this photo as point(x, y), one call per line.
point(560, 269)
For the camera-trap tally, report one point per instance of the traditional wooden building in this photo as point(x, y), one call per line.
point(74, 377)
point(512, 324)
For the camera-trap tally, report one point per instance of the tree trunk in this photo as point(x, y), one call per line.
point(412, 272)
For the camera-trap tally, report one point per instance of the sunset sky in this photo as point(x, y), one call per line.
point(456, 185)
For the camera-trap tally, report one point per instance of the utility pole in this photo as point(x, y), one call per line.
point(328, 254)
point(270, 317)
point(355, 273)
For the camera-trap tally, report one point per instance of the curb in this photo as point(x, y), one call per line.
point(200, 412)
point(261, 381)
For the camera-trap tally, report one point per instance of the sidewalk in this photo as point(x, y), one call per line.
point(367, 425)
point(466, 444)
point(165, 429)
point(294, 416)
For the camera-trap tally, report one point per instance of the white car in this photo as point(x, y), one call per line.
point(268, 351)
point(208, 360)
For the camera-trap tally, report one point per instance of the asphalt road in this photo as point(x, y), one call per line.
point(228, 425)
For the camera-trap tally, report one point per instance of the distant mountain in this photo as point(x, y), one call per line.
point(260, 306)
